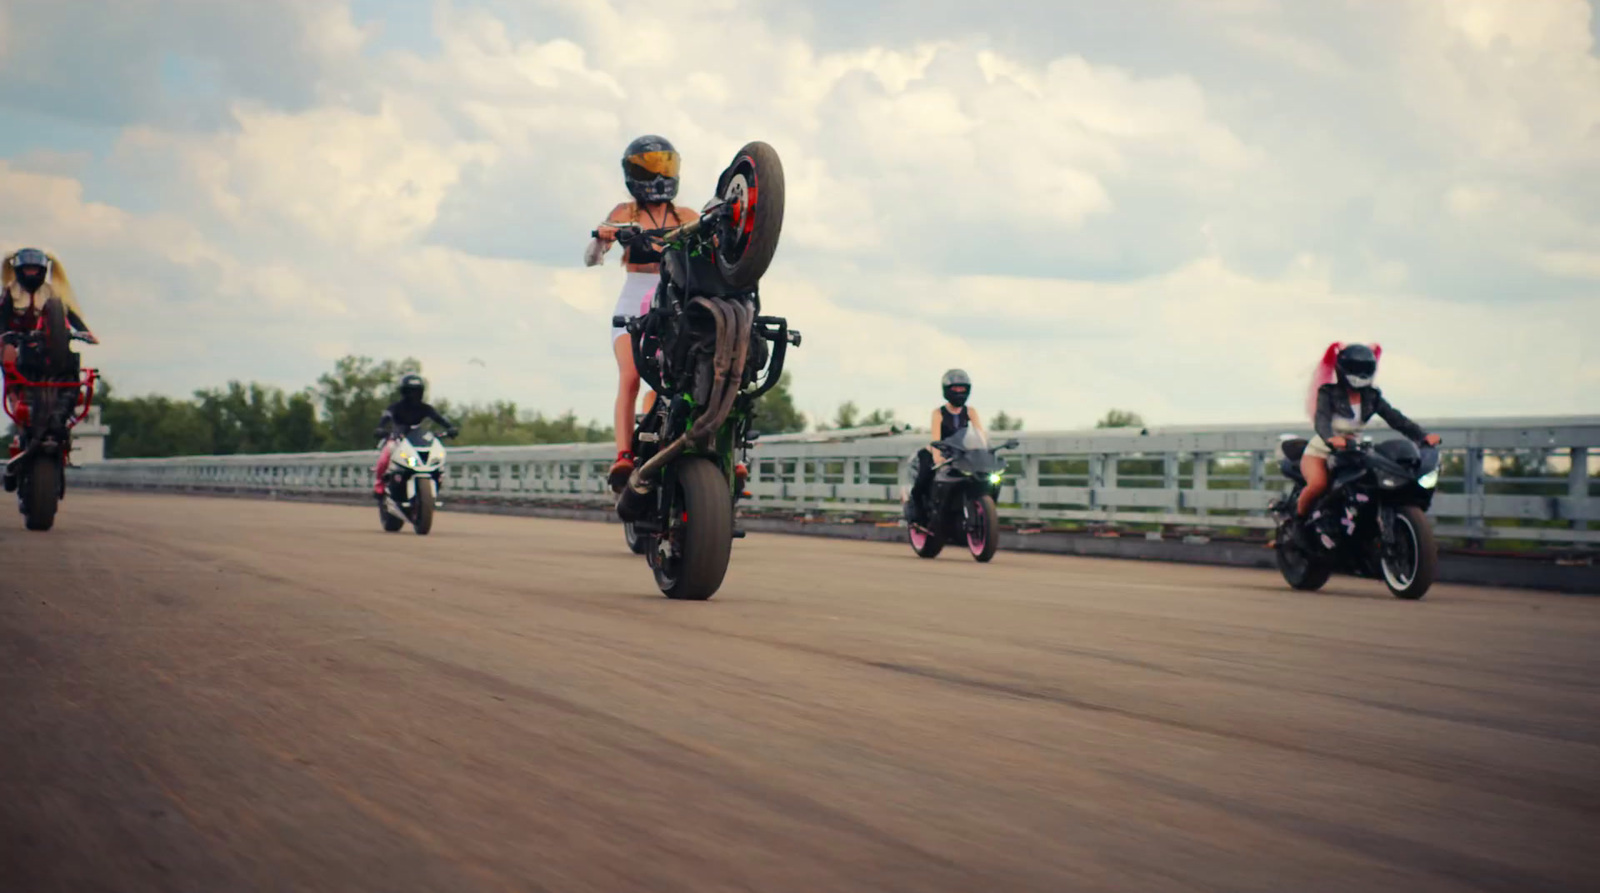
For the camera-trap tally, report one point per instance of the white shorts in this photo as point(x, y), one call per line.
point(638, 290)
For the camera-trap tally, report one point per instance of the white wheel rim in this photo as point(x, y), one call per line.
point(1395, 580)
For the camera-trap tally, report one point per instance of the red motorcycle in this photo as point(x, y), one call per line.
point(46, 395)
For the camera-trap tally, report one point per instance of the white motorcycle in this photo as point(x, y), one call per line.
point(411, 482)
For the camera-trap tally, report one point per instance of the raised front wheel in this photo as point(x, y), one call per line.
point(752, 189)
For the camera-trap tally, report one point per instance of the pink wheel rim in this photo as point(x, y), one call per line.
point(977, 541)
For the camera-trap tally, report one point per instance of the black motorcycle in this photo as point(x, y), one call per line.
point(707, 351)
point(1372, 522)
point(959, 503)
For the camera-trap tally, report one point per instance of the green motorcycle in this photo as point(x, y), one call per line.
point(705, 348)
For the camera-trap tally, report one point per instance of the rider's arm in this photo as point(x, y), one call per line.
point(386, 421)
point(1396, 419)
point(1323, 422)
point(439, 419)
point(934, 427)
point(972, 419)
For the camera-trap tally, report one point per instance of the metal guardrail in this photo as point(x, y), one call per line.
point(1529, 479)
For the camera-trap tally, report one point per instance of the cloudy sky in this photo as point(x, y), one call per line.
point(1164, 205)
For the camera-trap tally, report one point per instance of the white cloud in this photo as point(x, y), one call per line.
point(1077, 230)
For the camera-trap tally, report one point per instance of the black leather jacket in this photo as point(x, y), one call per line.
point(1334, 399)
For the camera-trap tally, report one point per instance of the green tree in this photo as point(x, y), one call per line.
point(1120, 418)
point(152, 426)
point(775, 412)
point(354, 395)
point(1004, 422)
point(298, 429)
point(502, 424)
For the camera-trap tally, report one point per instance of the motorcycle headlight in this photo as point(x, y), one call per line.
point(995, 477)
point(1390, 483)
point(1429, 480)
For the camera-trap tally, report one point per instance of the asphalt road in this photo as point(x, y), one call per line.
point(218, 695)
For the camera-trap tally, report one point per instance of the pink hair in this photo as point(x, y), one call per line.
point(1325, 373)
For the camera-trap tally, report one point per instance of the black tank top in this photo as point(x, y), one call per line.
point(951, 422)
point(643, 251)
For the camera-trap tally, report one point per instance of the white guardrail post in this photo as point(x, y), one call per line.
point(1095, 477)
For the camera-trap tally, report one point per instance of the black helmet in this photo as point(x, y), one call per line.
point(957, 386)
point(31, 265)
point(1357, 364)
point(412, 387)
point(650, 168)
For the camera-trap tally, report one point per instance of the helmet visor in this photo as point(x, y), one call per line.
point(649, 165)
point(1362, 368)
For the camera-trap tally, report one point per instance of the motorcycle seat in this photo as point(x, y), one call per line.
point(1294, 449)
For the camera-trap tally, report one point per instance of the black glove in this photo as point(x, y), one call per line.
point(452, 432)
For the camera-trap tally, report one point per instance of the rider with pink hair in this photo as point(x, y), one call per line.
point(1340, 401)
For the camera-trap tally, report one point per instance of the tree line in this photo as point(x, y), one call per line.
point(340, 410)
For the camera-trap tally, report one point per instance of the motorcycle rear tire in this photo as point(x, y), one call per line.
point(1308, 575)
point(757, 171)
point(422, 506)
point(925, 543)
point(638, 544)
point(702, 511)
point(42, 494)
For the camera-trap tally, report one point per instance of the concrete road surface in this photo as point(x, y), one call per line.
point(218, 695)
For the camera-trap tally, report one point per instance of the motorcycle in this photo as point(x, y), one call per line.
point(1372, 522)
point(412, 480)
point(960, 501)
point(47, 394)
point(703, 347)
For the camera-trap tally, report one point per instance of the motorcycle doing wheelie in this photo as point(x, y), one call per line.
point(47, 394)
point(959, 504)
point(412, 480)
point(703, 348)
point(1372, 522)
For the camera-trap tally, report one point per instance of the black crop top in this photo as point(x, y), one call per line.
point(643, 251)
point(951, 422)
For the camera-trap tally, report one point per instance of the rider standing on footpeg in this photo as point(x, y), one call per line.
point(407, 412)
point(945, 422)
point(650, 170)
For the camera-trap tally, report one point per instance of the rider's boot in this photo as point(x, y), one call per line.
point(620, 470)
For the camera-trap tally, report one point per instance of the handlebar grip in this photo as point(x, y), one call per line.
point(794, 337)
point(619, 322)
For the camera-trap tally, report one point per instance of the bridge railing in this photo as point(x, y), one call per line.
point(1525, 479)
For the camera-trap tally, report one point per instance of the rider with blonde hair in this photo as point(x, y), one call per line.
point(650, 170)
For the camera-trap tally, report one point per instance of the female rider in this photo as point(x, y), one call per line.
point(946, 422)
point(650, 170)
point(1341, 401)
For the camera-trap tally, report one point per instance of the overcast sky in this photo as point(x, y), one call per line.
point(1170, 206)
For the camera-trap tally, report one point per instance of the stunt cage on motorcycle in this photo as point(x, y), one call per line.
point(708, 353)
point(47, 394)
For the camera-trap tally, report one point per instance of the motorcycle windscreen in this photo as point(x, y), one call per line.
point(977, 456)
point(419, 438)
